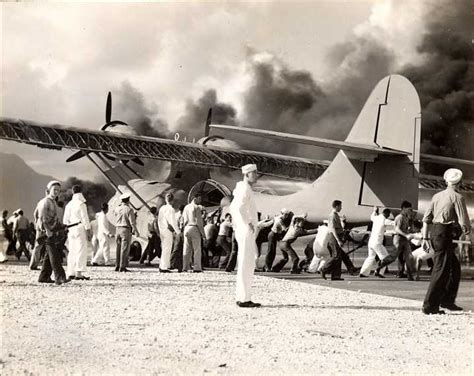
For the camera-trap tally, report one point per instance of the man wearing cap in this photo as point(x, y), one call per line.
point(126, 226)
point(274, 236)
point(48, 235)
point(193, 235)
point(447, 208)
point(245, 219)
point(79, 233)
point(168, 225)
point(20, 230)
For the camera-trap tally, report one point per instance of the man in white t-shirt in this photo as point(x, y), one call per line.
point(376, 248)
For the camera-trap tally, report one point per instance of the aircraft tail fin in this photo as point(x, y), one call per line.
point(390, 119)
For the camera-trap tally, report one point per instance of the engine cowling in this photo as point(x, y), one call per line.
point(212, 192)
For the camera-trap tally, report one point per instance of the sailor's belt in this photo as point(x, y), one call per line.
point(443, 224)
point(74, 224)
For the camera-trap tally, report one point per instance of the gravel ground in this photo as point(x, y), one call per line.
point(150, 323)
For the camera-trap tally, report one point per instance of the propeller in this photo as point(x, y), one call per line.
point(77, 156)
point(108, 123)
point(208, 122)
point(108, 115)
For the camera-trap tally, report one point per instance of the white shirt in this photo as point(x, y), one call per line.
point(103, 224)
point(167, 216)
point(76, 211)
point(321, 240)
point(243, 207)
point(378, 228)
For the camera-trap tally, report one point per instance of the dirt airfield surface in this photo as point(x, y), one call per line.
point(145, 323)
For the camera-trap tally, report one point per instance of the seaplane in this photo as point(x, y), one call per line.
point(378, 164)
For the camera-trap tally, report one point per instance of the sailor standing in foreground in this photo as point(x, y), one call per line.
point(125, 228)
point(245, 219)
point(79, 233)
point(446, 209)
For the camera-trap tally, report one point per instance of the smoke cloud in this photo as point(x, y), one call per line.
point(192, 123)
point(143, 119)
point(436, 59)
point(445, 80)
point(95, 192)
point(429, 43)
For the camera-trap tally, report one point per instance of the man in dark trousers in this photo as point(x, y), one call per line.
point(21, 231)
point(125, 227)
point(153, 248)
point(276, 234)
point(401, 241)
point(50, 233)
point(335, 241)
point(447, 209)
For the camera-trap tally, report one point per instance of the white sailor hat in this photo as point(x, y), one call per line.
point(452, 175)
point(284, 211)
point(53, 182)
point(249, 168)
point(124, 196)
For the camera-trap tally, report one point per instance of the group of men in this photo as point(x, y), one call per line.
point(166, 229)
point(446, 212)
point(15, 230)
point(176, 237)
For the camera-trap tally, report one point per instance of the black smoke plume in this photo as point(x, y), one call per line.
point(192, 123)
point(445, 81)
point(94, 192)
point(143, 119)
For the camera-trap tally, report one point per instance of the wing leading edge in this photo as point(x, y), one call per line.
point(57, 138)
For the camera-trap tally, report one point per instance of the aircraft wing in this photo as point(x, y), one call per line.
point(431, 182)
point(342, 145)
point(309, 140)
point(59, 137)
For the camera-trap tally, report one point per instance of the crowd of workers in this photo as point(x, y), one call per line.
point(186, 240)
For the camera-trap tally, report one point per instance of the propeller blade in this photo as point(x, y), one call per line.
point(76, 156)
point(108, 108)
point(113, 124)
point(208, 122)
point(138, 161)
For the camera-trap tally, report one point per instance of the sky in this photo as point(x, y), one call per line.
point(165, 63)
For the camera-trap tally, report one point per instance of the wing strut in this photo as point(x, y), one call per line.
point(106, 176)
point(124, 181)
